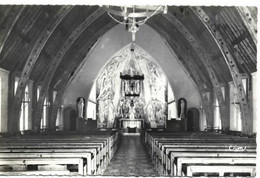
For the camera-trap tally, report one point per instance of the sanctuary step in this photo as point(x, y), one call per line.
point(131, 159)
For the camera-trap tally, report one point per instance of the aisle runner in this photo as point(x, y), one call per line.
point(131, 159)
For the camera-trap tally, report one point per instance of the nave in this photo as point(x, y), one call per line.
point(131, 159)
point(74, 82)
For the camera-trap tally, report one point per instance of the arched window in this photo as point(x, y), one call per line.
point(45, 114)
point(172, 109)
point(92, 103)
point(24, 115)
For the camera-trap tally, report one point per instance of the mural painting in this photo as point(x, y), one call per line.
point(112, 102)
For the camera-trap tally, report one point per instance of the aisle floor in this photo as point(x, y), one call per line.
point(131, 159)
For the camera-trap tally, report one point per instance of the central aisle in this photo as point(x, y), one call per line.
point(131, 159)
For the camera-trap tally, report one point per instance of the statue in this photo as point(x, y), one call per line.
point(182, 106)
point(80, 105)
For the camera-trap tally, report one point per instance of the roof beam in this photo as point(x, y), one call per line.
point(66, 77)
point(14, 114)
point(206, 60)
point(237, 77)
point(58, 58)
point(9, 23)
point(193, 69)
point(248, 21)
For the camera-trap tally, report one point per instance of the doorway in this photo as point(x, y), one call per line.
point(193, 119)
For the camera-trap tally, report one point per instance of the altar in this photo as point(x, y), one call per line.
point(131, 125)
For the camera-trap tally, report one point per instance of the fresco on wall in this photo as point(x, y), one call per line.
point(113, 105)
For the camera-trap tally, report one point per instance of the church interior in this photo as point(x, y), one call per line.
point(138, 90)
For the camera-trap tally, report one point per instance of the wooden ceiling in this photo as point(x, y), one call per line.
point(65, 43)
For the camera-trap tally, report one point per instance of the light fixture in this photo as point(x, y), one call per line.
point(133, 16)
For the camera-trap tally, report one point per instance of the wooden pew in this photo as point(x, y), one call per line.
point(221, 169)
point(210, 160)
point(91, 150)
point(160, 155)
point(86, 156)
point(36, 173)
point(161, 145)
point(199, 147)
point(154, 140)
point(56, 147)
point(45, 161)
point(166, 148)
point(175, 155)
point(70, 142)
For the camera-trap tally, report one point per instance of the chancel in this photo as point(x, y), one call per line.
point(136, 90)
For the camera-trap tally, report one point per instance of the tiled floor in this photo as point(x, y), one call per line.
point(131, 159)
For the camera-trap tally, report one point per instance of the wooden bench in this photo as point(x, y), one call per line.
point(79, 151)
point(166, 149)
point(95, 150)
point(86, 156)
point(60, 142)
point(203, 148)
point(210, 160)
point(35, 173)
point(175, 155)
point(45, 161)
point(221, 169)
point(160, 155)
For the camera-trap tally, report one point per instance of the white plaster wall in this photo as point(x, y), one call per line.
point(149, 40)
point(4, 74)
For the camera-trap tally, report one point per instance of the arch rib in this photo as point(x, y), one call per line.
point(65, 79)
point(8, 24)
point(27, 69)
point(58, 58)
point(207, 105)
point(205, 60)
point(237, 77)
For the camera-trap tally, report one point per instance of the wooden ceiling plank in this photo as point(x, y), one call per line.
point(190, 66)
point(249, 50)
point(19, 37)
point(236, 75)
point(248, 21)
point(247, 60)
point(58, 58)
point(233, 32)
point(234, 21)
point(66, 78)
point(30, 21)
point(28, 67)
point(206, 60)
point(8, 24)
point(226, 34)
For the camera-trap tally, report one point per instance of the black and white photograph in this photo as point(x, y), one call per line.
point(128, 90)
